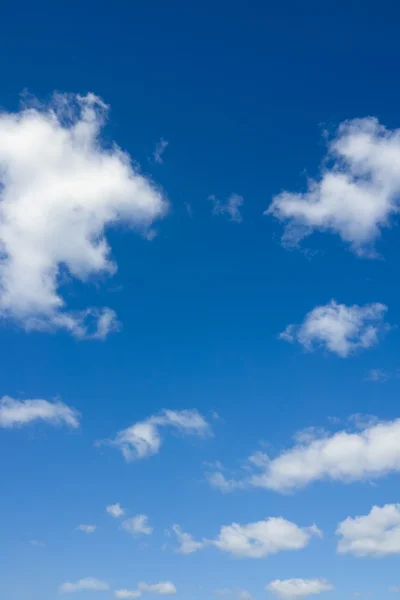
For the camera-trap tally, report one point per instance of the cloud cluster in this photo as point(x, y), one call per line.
point(357, 194)
point(143, 439)
point(339, 328)
point(60, 189)
point(253, 540)
point(375, 534)
point(371, 452)
point(298, 588)
point(16, 413)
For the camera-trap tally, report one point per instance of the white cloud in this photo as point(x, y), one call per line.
point(298, 588)
point(357, 194)
point(115, 510)
point(342, 456)
point(60, 190)
point(371, 450)
point(143, 439)
point(230, 208)
point(160, 148)
point(254, 540)
point(86, 528)
point(186, 541)
point(87, 584)
point(375, 534)
point(394, 588)
point(127, 594)
point(137, 525)
point(15, 413)
point(164, 588)
point(259, 539)
point(339, 328)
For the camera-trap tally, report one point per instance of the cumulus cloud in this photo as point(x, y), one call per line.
point(88, 584)
point(259, 539)
point(160, 148)
point(253, 540)
point(376, 534)
point(230, 208)
point(339, 328)
point(143, 439)
point(60, 189)
point(86, 528)
point(164, 588)
point(357, 194)
point(15, 413)
point(298, 588)
point(115, 510)
point(127, 594)
point(370, 451)
point(187, 544)
point(137, 525)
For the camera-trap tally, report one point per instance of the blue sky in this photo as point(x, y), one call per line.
point(199, 300)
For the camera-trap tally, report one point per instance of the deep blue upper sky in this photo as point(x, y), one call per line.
point(243, 93)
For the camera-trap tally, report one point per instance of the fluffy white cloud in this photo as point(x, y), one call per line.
point(87, 584)
point(127, 594)
point(187, 544)
point(339, 328)
point(253, 540)
point(369, 451)
point(137, 525)
point(60, 189)
point(115, 510)
point(358, 191)
point(143, 439)
point(15, 413)
point(230, 208)
point(343, 456)
point(86, 528)
point(298, 588)
point(259, 539)
point(164, 588)
point(375, 534)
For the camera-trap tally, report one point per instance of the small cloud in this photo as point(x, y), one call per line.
point(115, 510)
point(137, 525)
point(377, 375)
point(88, 584)
point(16, 413)
point(339, 328)
point(230, 208)
point(160, 148)
point(143, 439)
point(125, 594)
point(164, 588)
